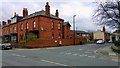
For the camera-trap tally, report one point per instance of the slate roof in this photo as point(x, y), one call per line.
point(102, 31)
point(81, 32)
point(40, 13)
point(67, 24)
point(117, 31)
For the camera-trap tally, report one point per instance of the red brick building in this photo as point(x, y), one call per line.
point(38, 29)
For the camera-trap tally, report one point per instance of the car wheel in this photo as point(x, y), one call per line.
point(3, 48)
point(11, 48)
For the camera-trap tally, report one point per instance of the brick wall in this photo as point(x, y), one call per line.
point(43, 25)
point(42, 43)
point(52, 43)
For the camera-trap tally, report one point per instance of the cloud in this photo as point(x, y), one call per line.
point(67, 8)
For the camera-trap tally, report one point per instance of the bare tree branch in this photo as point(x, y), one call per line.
point(108, 13)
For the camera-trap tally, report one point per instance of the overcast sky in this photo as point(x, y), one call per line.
point(81, 8)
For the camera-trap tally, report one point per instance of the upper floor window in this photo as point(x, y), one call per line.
point(59, 25)
point(27, 25)
point(34, 24)
point(67, 28)
point(10, 30)
point(6, 31)
point(52, 25)
point(21, 26)
point(52, 36)
point(59, 36)
point(15, 29)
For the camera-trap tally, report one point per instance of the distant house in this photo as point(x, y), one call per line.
point(103, 35)
point(82, 33)
point(87, 35)
point(115, 36)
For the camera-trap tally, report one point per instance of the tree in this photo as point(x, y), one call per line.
point(108, 13)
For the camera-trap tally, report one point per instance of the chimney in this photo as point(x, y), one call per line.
point(47, 9)
point(56, 13)
point(25, 12)
point(9, 21)
point(3, 23)
point(15, 14)
point(104, 29)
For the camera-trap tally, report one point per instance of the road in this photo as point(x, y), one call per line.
point(76, 55)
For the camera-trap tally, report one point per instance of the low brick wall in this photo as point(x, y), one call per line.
point(50, 42)
point(41, 43)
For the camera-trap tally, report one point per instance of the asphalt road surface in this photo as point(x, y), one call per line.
point(76, 55)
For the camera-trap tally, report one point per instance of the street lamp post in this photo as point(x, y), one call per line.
point(74, 28)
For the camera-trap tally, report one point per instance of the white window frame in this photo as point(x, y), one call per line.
point(21, 26)
point(15, 29)
point(59, 36)
point(52, 25)
point(10, 30)
point(52, 36)
point(59, 25)
point(34, 24)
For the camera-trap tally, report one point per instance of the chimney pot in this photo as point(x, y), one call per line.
point(57, 13)
point(9, 21)
point(15, 14)
point(25, 12)
point(47, 9)
point(3, 23)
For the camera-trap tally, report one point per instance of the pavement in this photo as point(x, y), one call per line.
point(108, 52)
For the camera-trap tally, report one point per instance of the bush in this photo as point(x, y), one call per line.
point(116, 49)
point(117, 43)
point(24, 41)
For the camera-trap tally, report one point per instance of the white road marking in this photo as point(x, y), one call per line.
point(88, 52)
point(83, 55)
point(18, 55)
point(91, 56)
point(68, 53)
point(97, 50)
point(80, 49)
point(112, 54)
point(54, 62)
point(75, 54)
point(115, 60)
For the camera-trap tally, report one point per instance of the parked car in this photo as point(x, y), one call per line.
point(4, 46)
point(110, 41)
point(100, 42)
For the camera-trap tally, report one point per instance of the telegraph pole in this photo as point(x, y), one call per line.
point(74, 28)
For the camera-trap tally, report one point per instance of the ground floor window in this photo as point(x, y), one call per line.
point(13, 38)
point(52, 36)
point(6, 39)
point(59, 36)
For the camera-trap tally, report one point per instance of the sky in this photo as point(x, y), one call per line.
point(83, 9)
